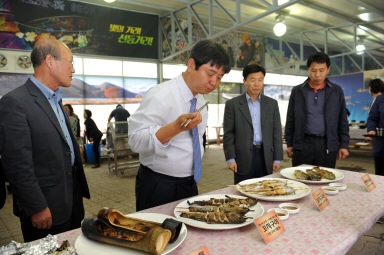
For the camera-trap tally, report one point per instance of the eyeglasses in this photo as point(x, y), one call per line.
point(58, 58)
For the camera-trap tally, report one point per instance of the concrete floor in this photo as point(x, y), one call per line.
point(118, 192)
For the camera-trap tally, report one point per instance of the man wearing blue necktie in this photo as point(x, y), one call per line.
point(167, 129)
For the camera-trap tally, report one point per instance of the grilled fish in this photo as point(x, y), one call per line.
point(324, 173)
point(313, 175)
point(300, 175)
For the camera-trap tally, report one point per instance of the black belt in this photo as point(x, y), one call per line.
point(315, 135)
point(258, 146)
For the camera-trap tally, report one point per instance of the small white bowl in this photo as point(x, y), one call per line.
point(338, 185)
point(329, 190)
point(283, 214)
point(292, 208)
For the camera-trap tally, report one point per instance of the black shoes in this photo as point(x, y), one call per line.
point(96, 166)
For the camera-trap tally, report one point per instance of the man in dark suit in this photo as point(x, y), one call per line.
point(252, 130)
point(40, 155)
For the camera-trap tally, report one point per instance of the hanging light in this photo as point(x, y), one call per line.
point(360, 48)
point(279, 28)
point(109, 1)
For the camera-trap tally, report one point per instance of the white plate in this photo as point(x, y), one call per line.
point(290, 174)
point(338, 185)
point(257, 212)
point(85, 246)
point(291, 211)
point(329, 190)
point(305, 191)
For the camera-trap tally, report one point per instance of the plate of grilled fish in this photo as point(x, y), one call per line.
point(218, 211)
point(273, 189)
point(313, 175)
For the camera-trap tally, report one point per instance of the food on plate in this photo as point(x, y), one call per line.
point(112, 227)
point(230, 201)
point(300, 175)
point(314, 174)
point(220, 208)
point(267, 188)
point(216, 217)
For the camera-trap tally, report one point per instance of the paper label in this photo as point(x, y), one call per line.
point(320, 199)
point(201, 251)
point(368, 182)
point(269, 226)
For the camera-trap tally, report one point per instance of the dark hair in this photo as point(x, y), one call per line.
point(117, 106)
point(41, 51)
point(207, 51)
point(319, 57)
point(88, 112)
point(376, 86)
point(70, 109)
point(253, 68)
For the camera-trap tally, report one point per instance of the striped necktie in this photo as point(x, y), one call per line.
point(197, 166)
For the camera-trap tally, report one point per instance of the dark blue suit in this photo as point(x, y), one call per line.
point(376, 120)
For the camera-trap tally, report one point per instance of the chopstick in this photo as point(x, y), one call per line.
point(186, 123)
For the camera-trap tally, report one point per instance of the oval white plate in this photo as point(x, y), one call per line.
point(291, 211)
point(85, 246)
point(330, 190)
point(257, 212)
point(304, 190)
point(338, 185)
point(290, 174)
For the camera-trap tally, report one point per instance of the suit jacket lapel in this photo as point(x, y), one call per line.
point(244, 109)
point(45, 106)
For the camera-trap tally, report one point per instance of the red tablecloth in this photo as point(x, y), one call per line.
point(333, 231)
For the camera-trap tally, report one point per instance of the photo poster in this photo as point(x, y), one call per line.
point(90, 89)
point(357, 97)
point(242, 48)
point(85, 28)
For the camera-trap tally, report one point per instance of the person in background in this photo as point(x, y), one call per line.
point(166, 130)
point(252, 130)
point(93, 135)
point(316, 128)
point(376, 88)
point(120, 114)
point(74, 120)
point(375, 122)
point(39, 153)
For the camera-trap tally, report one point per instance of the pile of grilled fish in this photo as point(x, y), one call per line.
point(314, 174)
point(219, 211)
point(267, 188)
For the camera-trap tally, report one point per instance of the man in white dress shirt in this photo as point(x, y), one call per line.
point(158, 133)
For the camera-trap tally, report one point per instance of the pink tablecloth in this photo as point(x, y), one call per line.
point(333, 231)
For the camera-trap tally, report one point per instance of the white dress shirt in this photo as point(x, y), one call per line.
point(160, 106)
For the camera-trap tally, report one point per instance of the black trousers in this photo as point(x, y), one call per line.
point(258, 168)
point(314, 152)
point(379, 165)
point(95, 149)
point(31, 233)
point(153, 189)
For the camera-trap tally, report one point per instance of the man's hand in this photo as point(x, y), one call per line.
point(189, 120)
point(289, 152)
point(372, 132)
point(232, 166)
point(42, 220)
point(343, 153)
point(276, 167)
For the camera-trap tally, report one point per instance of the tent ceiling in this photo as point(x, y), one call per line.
point(337, 24)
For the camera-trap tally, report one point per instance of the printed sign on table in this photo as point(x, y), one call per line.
point(368, 182)
point(320, 199)
point(201, 251)
point(270, 226)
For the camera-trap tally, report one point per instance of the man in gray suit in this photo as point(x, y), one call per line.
point(252, 130)
point(39, 153)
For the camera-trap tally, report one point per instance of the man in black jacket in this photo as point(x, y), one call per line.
point(317, 129)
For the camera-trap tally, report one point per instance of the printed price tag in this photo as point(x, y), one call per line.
point(368, 182)
point(270, 226)
point(201, 251)
point(320, 199)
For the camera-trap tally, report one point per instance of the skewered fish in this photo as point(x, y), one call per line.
point(208, 208)
point(313, 175)
point(300, 175)
point(215, 217)
point(279, 191)
point(230, 201)
point(324, 173)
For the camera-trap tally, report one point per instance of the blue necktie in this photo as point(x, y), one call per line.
point(197, 167)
